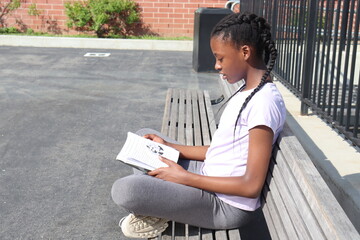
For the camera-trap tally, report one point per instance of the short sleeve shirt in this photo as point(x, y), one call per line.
point(228, 152)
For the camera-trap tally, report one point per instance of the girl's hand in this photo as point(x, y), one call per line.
point(155, 138)
point(174, 173)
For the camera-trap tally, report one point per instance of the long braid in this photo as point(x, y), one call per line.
point(235, 28)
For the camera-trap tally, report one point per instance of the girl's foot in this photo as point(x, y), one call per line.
point(136, 226)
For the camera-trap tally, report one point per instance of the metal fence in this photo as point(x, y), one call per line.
point(318, 42)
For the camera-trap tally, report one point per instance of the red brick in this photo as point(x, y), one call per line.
point(152, 20)
point(161, 5)
point(182, 10)
point(153, 10)
point(166, 20)
point(55, 12)
point(181, 20)
point(176, 5)
point(160, 25)
point(189, 16)
point(161, 15)
point(57, 6)
point(147, 4)
point(147, 14)
point(168, 10)
point(176, 15)
point(191, 5)
point(176, 25)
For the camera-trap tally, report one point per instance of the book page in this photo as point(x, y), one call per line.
point(138, 149)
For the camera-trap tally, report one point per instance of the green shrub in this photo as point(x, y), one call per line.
point(8, 30)
point(105, 17)
point(30, 31)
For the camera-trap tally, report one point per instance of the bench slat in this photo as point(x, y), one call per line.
point(273, 214)
point(194, 233)
point(269, 220)
point(210, 114)
point(173, 115)
point(166, 117)
point(203, 119)
point(234, 234)
point(189, 120)
point(276, 190)
point(196, 119)
point(181, 122)
point(290, 200)
point(220, 234)
point(206, 234)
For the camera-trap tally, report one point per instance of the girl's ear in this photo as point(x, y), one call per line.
point(245, 51)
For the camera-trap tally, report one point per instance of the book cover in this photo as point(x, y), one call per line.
point(143, 153)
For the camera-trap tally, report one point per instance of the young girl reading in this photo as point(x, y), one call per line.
point(216, 186)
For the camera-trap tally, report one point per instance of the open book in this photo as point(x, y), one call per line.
point(143, 153)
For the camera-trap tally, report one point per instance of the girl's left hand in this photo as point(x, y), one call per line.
point(174, 173)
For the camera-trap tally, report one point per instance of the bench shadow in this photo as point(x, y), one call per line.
point(256, 229)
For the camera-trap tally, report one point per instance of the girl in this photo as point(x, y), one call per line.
point(216, 186)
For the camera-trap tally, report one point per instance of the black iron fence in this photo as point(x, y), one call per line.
point(319, 59)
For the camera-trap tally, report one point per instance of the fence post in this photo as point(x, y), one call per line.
point(274, 19)
point(308, 65)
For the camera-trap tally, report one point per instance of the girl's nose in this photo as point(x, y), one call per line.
point(217, 66)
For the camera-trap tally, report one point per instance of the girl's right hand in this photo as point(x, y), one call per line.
point(155, 138)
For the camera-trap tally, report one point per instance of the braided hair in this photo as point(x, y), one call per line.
point(248, 29)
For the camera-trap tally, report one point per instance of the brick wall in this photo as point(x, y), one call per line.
point(162, 17)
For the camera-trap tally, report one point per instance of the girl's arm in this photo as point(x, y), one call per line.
point(186, 152)
point(248, 185)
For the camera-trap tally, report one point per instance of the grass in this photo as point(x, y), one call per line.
point(4, 31)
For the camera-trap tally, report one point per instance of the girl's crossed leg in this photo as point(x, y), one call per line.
point(145, 195)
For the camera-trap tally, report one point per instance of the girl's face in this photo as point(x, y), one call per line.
point(230, 61)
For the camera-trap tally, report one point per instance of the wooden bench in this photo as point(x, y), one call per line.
point(296, 202)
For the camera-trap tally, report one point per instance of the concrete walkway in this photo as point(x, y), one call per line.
point(64, 118)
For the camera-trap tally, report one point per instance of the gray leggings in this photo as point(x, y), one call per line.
point(142, 194)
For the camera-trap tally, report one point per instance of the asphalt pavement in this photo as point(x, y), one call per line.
point(64, 118)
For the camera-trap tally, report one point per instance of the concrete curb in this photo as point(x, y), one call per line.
point(95, 43)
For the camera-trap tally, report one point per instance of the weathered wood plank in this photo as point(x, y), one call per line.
point(234, 234)
point(194, 233)
point(174, 115)
point(181, 117)
point(189, 130)
point(273, 211)
point(210, 114)
point(204, 126)
point(207, 234)
point(166, 116)
point(196, 119)
point(269, 220)
point(220, 234)
point(276, 191)
point(286, 188)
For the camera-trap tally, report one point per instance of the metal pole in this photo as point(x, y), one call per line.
point(309, 54)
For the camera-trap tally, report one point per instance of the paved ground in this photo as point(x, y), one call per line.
point(63, 120)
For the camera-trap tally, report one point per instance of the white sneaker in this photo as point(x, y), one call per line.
point(142, 226)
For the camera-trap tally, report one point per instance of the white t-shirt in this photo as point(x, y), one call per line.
point(228, 152)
